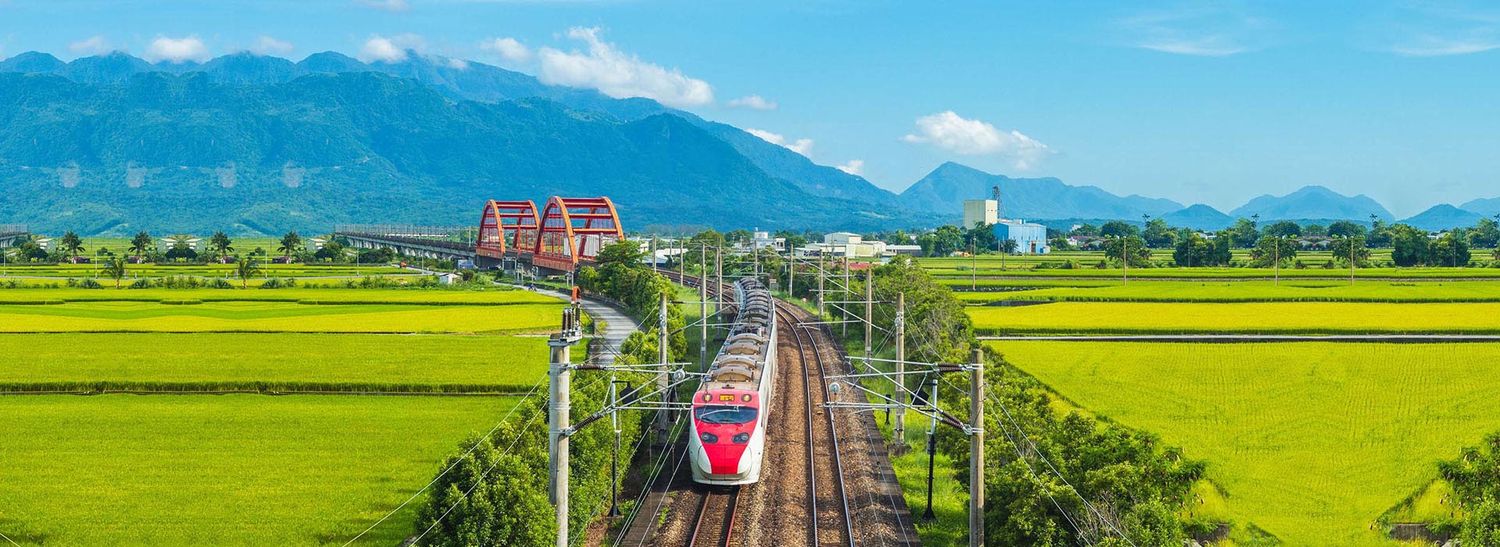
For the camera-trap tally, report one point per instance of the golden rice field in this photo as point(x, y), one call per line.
point(1251, 291)
point(298, 294)
point(1311, 441)
point(1252, 317)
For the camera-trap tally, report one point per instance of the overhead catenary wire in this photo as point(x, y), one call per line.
point(450, 467)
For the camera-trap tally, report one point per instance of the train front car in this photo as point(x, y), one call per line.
point(730, 407)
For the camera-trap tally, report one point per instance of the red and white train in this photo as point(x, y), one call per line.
point(731, 406)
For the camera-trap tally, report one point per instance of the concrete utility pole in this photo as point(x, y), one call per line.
point(821, 274)
point(559, 372)
point(848, 294)
point(703, 314)
point(869, 310)
point(719, 289)
point(976, 451)
point(663, 380)
point(898, 429)
point(791, 275)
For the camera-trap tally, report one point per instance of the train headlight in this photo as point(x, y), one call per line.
point(708, 438)
point(741, 438)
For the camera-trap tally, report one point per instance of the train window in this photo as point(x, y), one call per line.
point(725, 414)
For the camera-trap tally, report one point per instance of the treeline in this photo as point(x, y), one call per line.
point(219, 248)
point(1475, 478)
point(1050, 478)
point(495, 489)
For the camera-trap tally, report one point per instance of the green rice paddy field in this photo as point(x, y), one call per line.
point(217, 470)
point(1312, 441)
point(1245, 291)
point(1249, 318)
point(247, 468)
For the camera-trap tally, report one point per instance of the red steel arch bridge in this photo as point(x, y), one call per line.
point(559, 237)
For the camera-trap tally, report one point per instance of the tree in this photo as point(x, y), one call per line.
point(1194, 250)
point(332, 250)
point(1485, 234)
point(71, 244)
point(1285, 228)
point(140, 244)
point(739, 236)
point(290, 244)
point(1380, 234)
point(1243, 234)
point(220, 245)
point(793, 240)
point(181, 250)
point(1117, 228)
point(1340, 249)
point(1114, 247)
point(1410, 246)
point(1344, 228)
point(114, 268)
point(981, 238)
point(1158, 234)
point(246, 268)
point(1088, 230)
point(943, 241)
point(1451, 249)
point(1273, 251)
point(1317, 230)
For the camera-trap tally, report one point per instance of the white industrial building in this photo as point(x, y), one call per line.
point(977, 211)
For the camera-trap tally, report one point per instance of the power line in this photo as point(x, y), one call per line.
point(450, 467)
point(478, 480)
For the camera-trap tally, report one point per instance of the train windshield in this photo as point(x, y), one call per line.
point(725, 414)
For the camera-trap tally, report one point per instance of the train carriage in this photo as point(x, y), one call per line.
point(731, 406)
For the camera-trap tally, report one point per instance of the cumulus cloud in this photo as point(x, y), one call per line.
point(177, 50)
point(266, 45)
point(387, 5)
point(853, 167)
point(800, 146)
point(93, 45)
point(753, 102)
point(509, 49)
point(618, 74)
point(389, 50)
point(457, 64)
point(954, 133)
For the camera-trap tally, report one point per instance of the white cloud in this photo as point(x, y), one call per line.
point(951, 132)
point(853, 167)
point(509, 49)
point(177, 50)
point(389, 50)
point(457, 64)
point(800, 146)
point(618, 74)
point(387, 5)
point(753, 102)
point(266, 45)
point(1435, 30)
point(1217, 31)
point(93, 45)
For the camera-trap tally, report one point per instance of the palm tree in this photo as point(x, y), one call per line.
point(71, 244)
point(114, 268)
point(246, 268)
point(140, 244)
point(219, 245)
point(289, 244)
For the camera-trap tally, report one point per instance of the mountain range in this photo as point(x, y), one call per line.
point(111, 144)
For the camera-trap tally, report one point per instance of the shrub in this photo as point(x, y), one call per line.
point(142, 283)
point(219, 283)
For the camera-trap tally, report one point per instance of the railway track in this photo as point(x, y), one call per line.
point(832, 523)
point(713, 524)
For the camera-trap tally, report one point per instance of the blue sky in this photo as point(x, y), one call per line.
point(1199, 102)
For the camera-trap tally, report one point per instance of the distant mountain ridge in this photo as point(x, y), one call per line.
point(1443, 216)
point(944, 189)
point(1312, 203)
point(1199, 217)
point(458, 80)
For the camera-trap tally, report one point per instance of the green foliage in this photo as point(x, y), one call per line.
point(70, 244)
point(1118, 228)
point(1158, 235)
point(980, 238)
point(943, 241)
point(114, 268)
point(1485, 234)
point(291, 244)
point(1273, 251)
point(1244, 233)
point(1116, 247)
point(1344, 228)
point(220, 245)
point(1196, 250)
point(1450, 249)
point(1285, 229)
point(141, 244)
